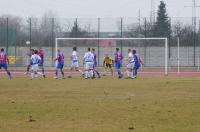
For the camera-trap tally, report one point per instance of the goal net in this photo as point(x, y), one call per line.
point(152, 51)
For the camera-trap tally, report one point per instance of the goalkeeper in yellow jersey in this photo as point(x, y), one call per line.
point(108, 64)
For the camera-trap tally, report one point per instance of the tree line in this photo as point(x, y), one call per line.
point(15, 30)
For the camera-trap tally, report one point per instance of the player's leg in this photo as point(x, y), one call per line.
point(78, 69)
point(111, 69)
point(7, 71)
point(105, 69)
point(42, 68)
point(32, 72)
point(56, 72)
point(130, 70)
point(96, 71)
point(71, 69)
point(62, 72)
point(76, 66)
point(86, 70)
point(91, 69)
point(118, 68)
point(28, 68)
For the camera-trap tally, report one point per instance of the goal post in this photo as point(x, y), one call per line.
point(165, 44)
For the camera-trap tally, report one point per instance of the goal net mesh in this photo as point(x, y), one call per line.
point(151, 52)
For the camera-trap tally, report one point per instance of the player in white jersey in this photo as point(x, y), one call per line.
point(130, 64)
point(35, 60)
point(88, 61)
point(74, 62)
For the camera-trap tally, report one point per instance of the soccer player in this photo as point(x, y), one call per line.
point(35, 60)
point(60, 65)
point(88, 61)
point(130, 65)
point(4, 61)
point(31, 52)
point(118, 61)
point(138, 63)
point(108, 63)
point(41, 64)
point(74, 62)
point(95, 64)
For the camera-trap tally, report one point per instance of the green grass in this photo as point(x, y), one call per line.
point(107, 105)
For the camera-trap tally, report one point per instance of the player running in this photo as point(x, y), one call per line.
point(95, 64)
point(130, 65)
point(60, 64)
point(88, 61)
point(35, 60)
point(74, 63)
point(138, 63)
point(108, 63)
point(4, 61)
point(118, 61)
point(41, 64)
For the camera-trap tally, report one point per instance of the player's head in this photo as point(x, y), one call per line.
point(32, 51)
point(134, 51)
point(2, 49)
point(93, 50)
point(40, 50)
point(129, 50)
point(88, 49)
point(74, 48)
point(36, 51)
point(117, 49)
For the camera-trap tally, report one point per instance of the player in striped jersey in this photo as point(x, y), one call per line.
point(95, 64)
point(138, 63)
point(4, 61)
point(118, 62)
point(60, 64)
point(41, 64)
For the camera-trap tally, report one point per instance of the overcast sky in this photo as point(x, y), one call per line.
point(93, 8)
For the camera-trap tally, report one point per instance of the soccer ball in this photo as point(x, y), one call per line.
point(28, 42)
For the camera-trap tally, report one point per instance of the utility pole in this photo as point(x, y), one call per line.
point(152, 13)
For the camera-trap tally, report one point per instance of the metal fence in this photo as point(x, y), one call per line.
point(41, 32)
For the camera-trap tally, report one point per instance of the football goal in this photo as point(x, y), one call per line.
point(152, 51)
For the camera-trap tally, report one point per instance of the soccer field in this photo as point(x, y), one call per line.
point(158, 104)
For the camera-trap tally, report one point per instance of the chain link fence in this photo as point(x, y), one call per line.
point(41, 32)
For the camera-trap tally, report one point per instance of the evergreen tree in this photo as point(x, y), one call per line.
point(76, 31)
point(162, 25)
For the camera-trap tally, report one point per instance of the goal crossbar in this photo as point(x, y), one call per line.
point(163, 38)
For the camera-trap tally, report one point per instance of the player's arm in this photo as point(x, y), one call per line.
point(55, 59)
point(40, 59)
point(141, 61)
point(104, 62)
point(112, 62)
point(8, 60)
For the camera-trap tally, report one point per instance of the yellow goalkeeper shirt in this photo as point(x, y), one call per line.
point(108, 60)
